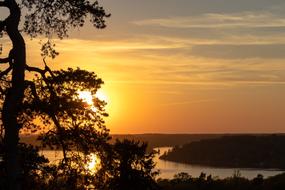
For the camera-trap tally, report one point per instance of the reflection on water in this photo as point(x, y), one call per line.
point(53, 155)
point(169, 169)
point(94, 162)
point(56, 155)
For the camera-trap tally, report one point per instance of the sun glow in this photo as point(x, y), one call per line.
point(87, 97)
point(100, 94)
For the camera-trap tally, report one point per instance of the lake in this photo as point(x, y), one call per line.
point(169, 169)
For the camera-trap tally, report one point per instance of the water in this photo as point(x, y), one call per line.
point(169, 169)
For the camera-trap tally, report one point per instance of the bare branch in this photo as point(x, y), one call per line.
point(48, 69)
point(61, 132)
point(8, 59)
point(41, 71)
point(4, 60)
point(36, 69)
point(6, 72)
point(50, 112)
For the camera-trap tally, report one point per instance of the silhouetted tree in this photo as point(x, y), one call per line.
point(31, 163)
point(67, 123)
point(182, 177)
point(130, 167)
point(45, 18)
point(230, 183)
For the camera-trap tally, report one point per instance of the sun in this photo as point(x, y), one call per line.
point(100, 94)
point(87, 97)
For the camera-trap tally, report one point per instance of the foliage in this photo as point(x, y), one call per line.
point(72, 124)
point(130, 167)
point(55, 18)
point(186, 182)
point(53, 108)
point(32, 164)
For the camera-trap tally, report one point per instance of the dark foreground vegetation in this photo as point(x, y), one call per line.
point(245, 151)
point(124, 165)
point(183, 181)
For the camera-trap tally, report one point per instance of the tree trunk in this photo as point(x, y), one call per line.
point(14, 98)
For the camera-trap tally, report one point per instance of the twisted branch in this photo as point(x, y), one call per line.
point(42, 72)
point(4, 60)
point(50, 112)
point(6, 72)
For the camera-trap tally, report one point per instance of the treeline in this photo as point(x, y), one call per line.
point(153, 140)
point(165, 140)
point(245, 151)
point(183, 181)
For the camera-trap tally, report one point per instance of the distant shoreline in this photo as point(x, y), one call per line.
point(241, 151)
point(159, 139)
point(227, 167)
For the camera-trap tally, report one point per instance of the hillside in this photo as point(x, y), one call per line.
point(266, 151)
point(167, 140)
point(153, 140)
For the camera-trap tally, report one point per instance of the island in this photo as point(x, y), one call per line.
point(238, 151)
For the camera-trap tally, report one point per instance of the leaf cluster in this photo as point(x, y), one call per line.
point(56, 17)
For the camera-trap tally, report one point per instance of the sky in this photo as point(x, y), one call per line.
point(184, 66)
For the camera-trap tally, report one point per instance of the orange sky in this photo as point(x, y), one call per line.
point(185, 67)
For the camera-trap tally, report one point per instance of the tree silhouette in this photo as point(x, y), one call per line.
point(45, 18)
point(67, 123)
point(130, 167)
point(75, 127)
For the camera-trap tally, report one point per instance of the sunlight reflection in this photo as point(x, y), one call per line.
point(55, 156)
point(94, 163)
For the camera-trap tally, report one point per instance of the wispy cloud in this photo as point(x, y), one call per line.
point(172, 61)
point(188, 102)
point(232, 38)
point(113, 46)
point(215, 20)
point(222, 51)
point(205, 83)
